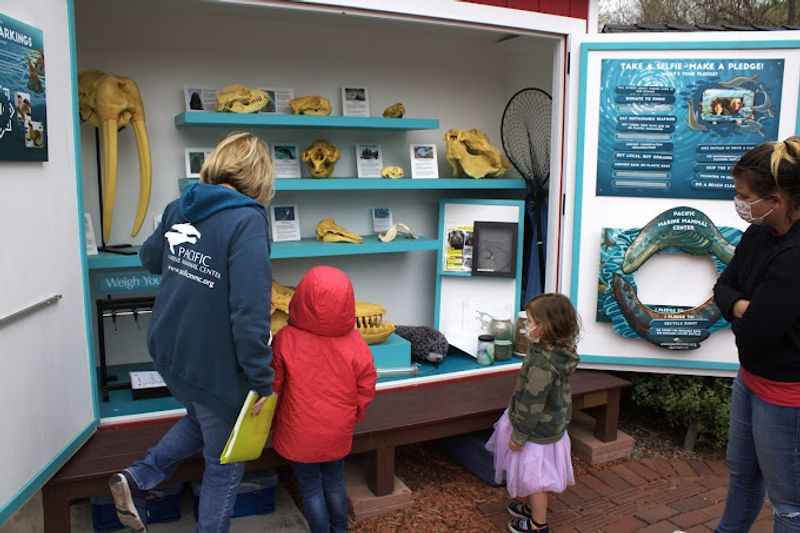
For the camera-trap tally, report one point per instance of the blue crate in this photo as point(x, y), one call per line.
point(161, 505)
point(470, 452)
point(256, 495)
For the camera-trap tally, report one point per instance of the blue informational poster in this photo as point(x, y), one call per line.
point(23, 112)
point(675, 128)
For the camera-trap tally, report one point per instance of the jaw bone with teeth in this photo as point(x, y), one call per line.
point(321, 158)
point(470, 153)
point(110, 103)
point(369, 317)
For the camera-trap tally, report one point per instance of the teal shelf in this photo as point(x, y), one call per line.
point(371, 245)
point(294, 250)
point(264, 120)
point(449, 274)
point(378, 184)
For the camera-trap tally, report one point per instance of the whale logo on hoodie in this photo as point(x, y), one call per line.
point(181, 234)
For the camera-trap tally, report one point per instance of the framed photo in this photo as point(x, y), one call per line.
point(369, 160)
point(424, 164)
point(285, 222)
point(286, 160)
point(355, 101)
point(458, 248)
point(495, 249)
point(200, 98)
point(195, 157)
point(278, 100)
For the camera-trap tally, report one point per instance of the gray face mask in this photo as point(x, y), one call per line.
point(745, 211)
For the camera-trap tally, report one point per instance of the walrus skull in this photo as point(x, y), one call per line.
point(393, 173)
point(311, 105)
point(110, 103)
point(470, 153)
point(370, 320)
point(321, 158)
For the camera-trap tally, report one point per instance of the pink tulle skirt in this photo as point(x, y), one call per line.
point(534, 468)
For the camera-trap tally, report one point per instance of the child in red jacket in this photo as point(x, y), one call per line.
point(325, 379)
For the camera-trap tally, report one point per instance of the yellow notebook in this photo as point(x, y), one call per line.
point(249, 435)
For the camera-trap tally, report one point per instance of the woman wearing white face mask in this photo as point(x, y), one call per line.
point(759, 293)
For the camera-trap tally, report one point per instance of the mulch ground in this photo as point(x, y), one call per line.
point(661, 488)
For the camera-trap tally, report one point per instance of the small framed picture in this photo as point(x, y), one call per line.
point(495, 249)
point(285, 223)
point(424, 163)
point(355, 101)
point(278, 100)
point(286, 160)
point(381, 219)
point(369, 160)
point(195, 157)
point(200, 98)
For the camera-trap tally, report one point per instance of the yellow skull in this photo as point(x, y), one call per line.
point(470, 153)
point(311, 105)
point(321, 158)
point(240, 99)
point(395, 111)
point(329, 231)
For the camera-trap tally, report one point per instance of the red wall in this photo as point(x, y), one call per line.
point(567, 8)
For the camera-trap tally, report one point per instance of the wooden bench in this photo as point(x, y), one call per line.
point(397, 417)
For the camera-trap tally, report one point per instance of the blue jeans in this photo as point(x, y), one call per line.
point(324, 495)
point(763, 456)
point(199, 430)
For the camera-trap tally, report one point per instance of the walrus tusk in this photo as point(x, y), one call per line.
point(145, 173)
point(108, 130)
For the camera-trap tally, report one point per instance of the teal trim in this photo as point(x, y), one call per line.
point(455, 362)
point(264, 120)
point(437, 300)
point(653, 362)
point(76, 125)
point(579, 178)
point(295, 249)
point(456, 274)
point(371, 245)
point(379, 184)
point(35, 484)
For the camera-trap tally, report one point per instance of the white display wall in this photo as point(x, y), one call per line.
point(667, 279)
point(462, 77)
point(45, 374)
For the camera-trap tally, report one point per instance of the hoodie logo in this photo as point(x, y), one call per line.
point(181, 234)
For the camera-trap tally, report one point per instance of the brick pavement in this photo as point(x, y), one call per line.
point(647, 495)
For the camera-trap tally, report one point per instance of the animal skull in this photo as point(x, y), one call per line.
point(329, 231)
point(393, 172)
point(395, 111)
point(470, 153)
point(240, 99)
point(369, 317)
point(311, 105)
point(321, 158)
point(110, 103)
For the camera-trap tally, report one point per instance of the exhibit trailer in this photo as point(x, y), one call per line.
point(643, 134)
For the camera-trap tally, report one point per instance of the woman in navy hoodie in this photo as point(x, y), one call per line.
point(209, 333)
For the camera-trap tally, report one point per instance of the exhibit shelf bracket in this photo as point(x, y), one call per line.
point(264, 120)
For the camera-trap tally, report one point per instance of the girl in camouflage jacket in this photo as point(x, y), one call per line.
point(530, 443)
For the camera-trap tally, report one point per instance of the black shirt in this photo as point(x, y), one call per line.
point(766, 271)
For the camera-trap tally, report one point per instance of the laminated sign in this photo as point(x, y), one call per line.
point(23, 112)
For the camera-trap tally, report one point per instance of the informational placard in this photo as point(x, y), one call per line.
point(381, 219)
point(355, 101)
point(674, 128)
point(285, 221)
point(278, 100)
point(369, 160)
point(194, 159)
point(286, 160)
point(424, 164)
point(23, 109)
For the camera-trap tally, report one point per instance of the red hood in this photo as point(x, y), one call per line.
point(324, 303)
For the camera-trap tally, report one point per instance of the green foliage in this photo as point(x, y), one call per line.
point(682, 400)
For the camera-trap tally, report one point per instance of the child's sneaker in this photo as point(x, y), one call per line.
point(525, 525)
point(519, 509)
point(124, 491)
